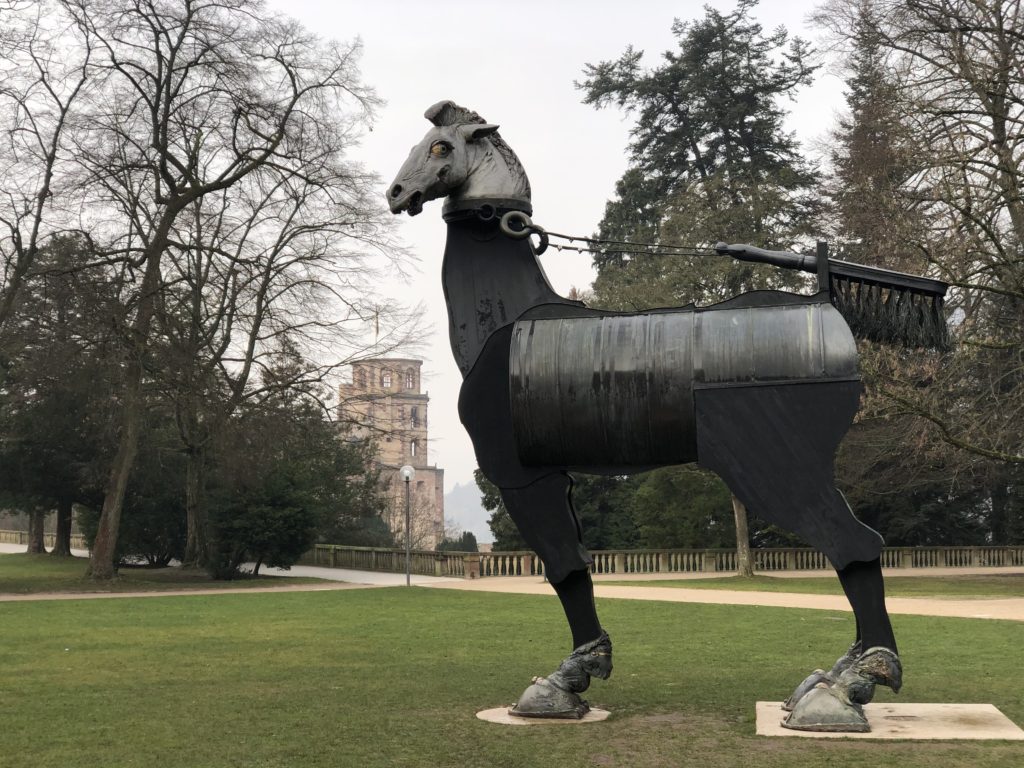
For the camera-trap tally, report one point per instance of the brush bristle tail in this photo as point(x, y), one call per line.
point(890, 314)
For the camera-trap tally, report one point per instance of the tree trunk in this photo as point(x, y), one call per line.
point(999, 519)
point(102, 563)
point(62, 541)
point(102, 558)
point(197, 551)
point(36, 537)
point(744, 562)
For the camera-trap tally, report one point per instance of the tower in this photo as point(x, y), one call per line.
point(386, 403)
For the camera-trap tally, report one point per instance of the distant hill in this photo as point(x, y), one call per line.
point(462, 505)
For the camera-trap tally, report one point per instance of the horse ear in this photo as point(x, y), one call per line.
point(473, 131)
point(439, 113)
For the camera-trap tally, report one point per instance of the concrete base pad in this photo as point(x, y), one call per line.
point(907, 721)
point(501, 715)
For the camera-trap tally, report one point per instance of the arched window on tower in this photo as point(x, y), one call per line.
point(385, 379)
point(414, 447)
point(410, 379)
point(361, 378)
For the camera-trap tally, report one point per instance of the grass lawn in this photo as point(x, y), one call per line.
point(27, 574)
point(994, 585)
point(393, 677)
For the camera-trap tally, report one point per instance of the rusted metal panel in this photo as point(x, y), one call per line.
point(617, 390)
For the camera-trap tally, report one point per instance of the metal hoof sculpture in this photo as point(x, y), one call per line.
point(837, 703)
point(820, 676)
point(558, 694)
point(759, 389)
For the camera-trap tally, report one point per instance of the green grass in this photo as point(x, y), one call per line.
point(393, 677)
point(31, 574)
point(994, 585)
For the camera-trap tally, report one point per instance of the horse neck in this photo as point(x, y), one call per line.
point(489, 281)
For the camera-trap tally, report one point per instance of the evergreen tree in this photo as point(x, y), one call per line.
point(465, 542)
point(57, 368)
point(709, 161)
point(873, 156)
point(506, 536)
point(280, 474)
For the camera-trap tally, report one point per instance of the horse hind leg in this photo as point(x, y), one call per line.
point(774, 446)
point(544, 515)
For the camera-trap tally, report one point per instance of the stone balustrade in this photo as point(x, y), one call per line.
point(640, 561)
point(422, 562)
point(474, 565)
point(49, 539)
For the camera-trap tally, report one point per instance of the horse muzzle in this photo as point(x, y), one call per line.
point(401, 199)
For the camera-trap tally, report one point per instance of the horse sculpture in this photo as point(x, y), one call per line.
point(760, 389)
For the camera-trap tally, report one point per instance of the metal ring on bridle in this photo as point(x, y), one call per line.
point(543, 244)
point(528, 228)
point(522, 218)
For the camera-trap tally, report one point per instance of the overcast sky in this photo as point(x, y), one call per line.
point(514, 63)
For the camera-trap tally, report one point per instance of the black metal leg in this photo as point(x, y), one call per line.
point(862, 582)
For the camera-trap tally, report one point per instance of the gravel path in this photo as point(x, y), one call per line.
point(1008, 608)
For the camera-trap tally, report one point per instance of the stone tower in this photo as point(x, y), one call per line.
point(386, 403)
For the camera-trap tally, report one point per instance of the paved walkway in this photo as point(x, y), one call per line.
point(1007, 608)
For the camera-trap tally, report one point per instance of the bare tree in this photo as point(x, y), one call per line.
point(425, 531)
point(957, 68)
point(44, 68)
point(279, 258)
point(192, 97)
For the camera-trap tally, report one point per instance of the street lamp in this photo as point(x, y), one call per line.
point(407, 473)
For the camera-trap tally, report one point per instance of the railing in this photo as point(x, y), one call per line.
point(49, 539)
point(658, 560)
point(422, 562)
point(510, 564)
point(473, 565)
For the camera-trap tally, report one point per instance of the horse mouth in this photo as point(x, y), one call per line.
point(410, 201)
point(415, 203)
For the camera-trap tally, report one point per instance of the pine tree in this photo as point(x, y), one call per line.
point(709, 161)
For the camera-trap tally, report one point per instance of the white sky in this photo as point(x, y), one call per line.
point(514, 63)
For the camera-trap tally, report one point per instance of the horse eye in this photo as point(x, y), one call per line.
point(440, 149)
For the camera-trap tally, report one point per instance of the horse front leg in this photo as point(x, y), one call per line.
point(544, 514)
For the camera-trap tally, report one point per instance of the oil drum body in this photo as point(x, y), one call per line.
point(617, 390)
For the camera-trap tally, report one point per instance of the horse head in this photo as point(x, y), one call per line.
point(464, 159)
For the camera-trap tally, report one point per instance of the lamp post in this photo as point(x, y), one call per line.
point(408, 473)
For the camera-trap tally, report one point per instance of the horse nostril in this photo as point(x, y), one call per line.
point(396, 190)
point(443, 173)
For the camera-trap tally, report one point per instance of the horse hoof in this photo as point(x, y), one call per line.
point(881, 666)
point(558, 694)
point(822, 709)
point(843, 663)
point(544, 699)
point(811, 681)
